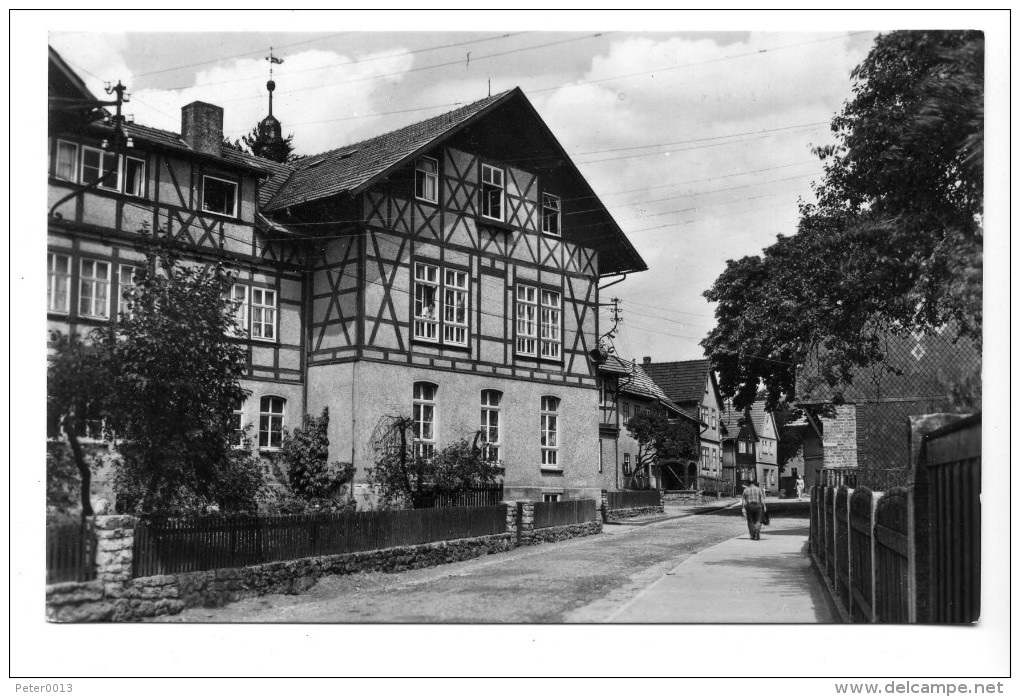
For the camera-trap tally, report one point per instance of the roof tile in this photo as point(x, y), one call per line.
point(682, 381)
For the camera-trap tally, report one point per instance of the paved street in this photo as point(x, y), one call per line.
point(678, 568)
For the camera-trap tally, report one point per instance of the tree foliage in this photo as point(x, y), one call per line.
point(176, 381)
point(78, 398)
point(320, 484)
point(892, 242)
point(259, 142)
point(661, 438)
point(405, 478)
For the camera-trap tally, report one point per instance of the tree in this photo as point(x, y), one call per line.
point(661, 438)
point(311, 478)
point(892, 242)
point(176, 382)
point(261, 143)
point(78, 396)
point(405, 477)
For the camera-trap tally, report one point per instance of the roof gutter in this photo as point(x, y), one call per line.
point(619, 280)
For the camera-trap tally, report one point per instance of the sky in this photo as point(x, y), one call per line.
point(698, 142)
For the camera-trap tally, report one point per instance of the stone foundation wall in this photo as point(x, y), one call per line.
point(682, 496)
point(116, 596)
point(565, 532)
point(622, 513)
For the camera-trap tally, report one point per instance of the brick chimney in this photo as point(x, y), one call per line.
point(647, 360)
point(202, 127)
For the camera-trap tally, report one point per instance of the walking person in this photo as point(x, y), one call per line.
point(800, 487)
point(752, 508)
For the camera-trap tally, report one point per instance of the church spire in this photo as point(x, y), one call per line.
point(270, 127)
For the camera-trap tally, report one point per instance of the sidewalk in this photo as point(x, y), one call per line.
point(737, 581)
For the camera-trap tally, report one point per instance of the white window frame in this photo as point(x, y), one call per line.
point(271, 416)
point(52, 278)
point(425, 411)
point(551, 434)
point(73, 165)
point(122, 286)
point(425, 177)
point(552, 204)
point(490, 185)
point(237, 188)
point(551, 325)
point(551, 498)
point(705, 463)
point(237, 424)
point(142, 179)
point(526, 315)
point(263, 313)
point(455, 296)
point(95, 282)
point(625, 412)
point(103, 154)
point(713, 422)
point(426, 316)
point(626, 465)
point(240, 314)
point(492, 433)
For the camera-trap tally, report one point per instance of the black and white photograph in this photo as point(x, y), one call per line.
point(608, 344)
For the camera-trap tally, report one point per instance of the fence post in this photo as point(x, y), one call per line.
point(511, 521)
point(115, 539)
point(525, 522)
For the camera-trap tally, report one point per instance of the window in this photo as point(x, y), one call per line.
point(492, 192)
point(551, 214)
point(704, 414)
point(263, 313)
point(426, 298)
point(550, 431)
point(626, 413)
point(271, 415)
point(58, 284)
point(626, 464)
point(455, 323)
point(713, 422)
point(426, 179)
point(550, 498)
point(100, 168)
point(527, 327)
point(67, 161)
point(551, 339)
point(741, 446)
point(704, 459)
point(125, 283)
point(134, 176)
point(237, 424)
point(239, 297)
point(94, 289)
point(490, 424)
point(424, 415)
point(219, 196)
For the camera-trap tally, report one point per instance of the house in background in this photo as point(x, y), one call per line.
point(447, 271)
point(638, 394)
point(751, 447)
point(692, 386)
point(866, 423)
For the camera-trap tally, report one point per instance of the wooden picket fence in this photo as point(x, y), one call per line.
point(70, 552)
point(633, 499)
point(180, 545)
point(555, 513)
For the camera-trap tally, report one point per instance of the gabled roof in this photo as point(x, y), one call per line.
point(354, 168)
point(733, 421)
point(682, 381)
point(758, 416)
point(349, 168)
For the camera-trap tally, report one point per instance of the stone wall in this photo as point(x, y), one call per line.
point(682, 496)
point(622, 513)
point(116, 596)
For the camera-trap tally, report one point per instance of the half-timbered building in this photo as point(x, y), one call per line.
point(447, 272)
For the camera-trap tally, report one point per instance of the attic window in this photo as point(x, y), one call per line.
point(345, 155)
point(316, 163)
point(426, 179)
point(492, 192)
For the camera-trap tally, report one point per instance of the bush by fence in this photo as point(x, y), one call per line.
point(648, 498)
point(70, 552)
point(555, 513)
point(199, 544)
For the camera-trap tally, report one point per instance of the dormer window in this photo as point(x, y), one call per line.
point(219, 196)
point(426, 179)
point(493, 189)
point(550, 214)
